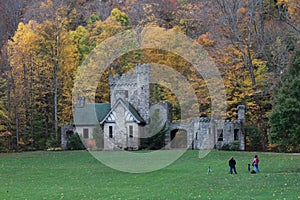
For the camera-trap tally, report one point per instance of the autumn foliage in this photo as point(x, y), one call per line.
point(44, 43)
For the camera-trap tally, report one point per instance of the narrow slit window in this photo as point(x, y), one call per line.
point(110, 131)
point(220, 134)
point(131, 131)
point(236, 134)
point(85, 133)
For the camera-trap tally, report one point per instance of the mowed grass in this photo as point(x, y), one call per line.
point(78, 175)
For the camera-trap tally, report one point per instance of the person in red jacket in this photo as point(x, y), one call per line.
point(255, 164)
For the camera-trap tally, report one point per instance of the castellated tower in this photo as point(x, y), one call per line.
point(134, 88)
point(143, 90)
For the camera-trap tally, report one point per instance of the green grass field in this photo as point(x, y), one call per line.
point(78, 175)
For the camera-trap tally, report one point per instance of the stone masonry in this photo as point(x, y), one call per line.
point(130, 110)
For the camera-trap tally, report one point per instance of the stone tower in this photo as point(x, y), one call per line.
point(143, 90)
point(134, 88)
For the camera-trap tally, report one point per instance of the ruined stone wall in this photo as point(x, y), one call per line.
point(208, 133)
point(201, 133)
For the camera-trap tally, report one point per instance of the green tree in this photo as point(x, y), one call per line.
point(43, 59)
point(284, 119)
point(75, 143)
point(56, 48)
point(98, 137)
point(87, 38)
point(3, 110)
point(22, 57)
point(155, 138)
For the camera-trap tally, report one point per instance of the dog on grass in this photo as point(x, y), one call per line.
point(209, 170)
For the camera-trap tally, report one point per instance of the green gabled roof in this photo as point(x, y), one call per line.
point(135, 113)
point(91, 114)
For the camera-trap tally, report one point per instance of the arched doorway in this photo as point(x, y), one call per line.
point(178, 138)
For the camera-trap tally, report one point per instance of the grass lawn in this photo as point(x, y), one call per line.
point(78, 175)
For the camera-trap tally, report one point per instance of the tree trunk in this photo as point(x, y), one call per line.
point(15, 108)
point(56, 66)
point(31, 105)
point(55, 102)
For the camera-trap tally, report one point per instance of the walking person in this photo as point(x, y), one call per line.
point(255, 164)
point(232, 164)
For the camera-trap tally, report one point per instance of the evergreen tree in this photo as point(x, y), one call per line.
point(284, 119)
point(155, 132)
point(3, 110)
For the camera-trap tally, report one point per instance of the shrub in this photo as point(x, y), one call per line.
point(157, 140)
point(98, 137)
point(51, 143)
point(232, 146)
point(74, 143)
point(253, 136)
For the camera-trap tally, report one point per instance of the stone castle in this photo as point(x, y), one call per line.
point(125, 119)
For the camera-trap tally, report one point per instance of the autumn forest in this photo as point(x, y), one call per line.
point(254, 44)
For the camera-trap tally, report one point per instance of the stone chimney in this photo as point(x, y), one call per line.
point(80, 102)
point(241, 112)
point(241, 117)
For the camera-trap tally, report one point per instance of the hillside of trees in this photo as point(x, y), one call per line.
point(254, 44)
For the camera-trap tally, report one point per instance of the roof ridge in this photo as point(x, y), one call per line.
point(130, 108)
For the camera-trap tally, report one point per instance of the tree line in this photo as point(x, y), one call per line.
point(253, 43)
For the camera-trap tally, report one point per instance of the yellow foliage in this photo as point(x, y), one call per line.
point(282, 2)
point(21, 142)
point(243, 10)
point(205, 40)
point(5, 134)
point(178, 29)
point(54, 149)
point(120, 16)
point(46, 5)
point(294, 9)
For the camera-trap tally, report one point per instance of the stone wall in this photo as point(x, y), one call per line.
point(204, 133)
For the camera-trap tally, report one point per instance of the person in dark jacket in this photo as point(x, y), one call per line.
point(232, 164)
